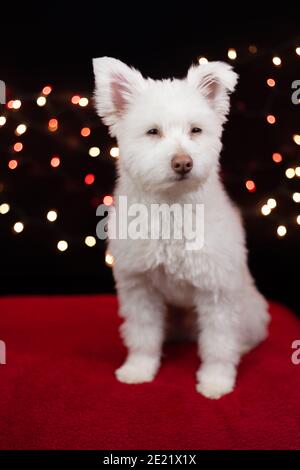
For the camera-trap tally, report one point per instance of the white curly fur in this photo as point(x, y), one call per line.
point(232, 314)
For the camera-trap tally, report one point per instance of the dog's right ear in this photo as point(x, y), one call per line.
point(116, 86)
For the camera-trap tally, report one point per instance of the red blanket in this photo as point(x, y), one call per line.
point(58, 390)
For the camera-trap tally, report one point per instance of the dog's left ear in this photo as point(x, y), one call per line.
point(215, 81)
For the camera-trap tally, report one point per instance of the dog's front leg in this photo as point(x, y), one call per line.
point(219, 343)
point(143, 311)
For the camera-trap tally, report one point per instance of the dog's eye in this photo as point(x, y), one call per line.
point(153, 131)
point(196, 130)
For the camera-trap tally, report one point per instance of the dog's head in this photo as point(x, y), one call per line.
point(168, 131)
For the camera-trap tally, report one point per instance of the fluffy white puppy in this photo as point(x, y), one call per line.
point(169, 136)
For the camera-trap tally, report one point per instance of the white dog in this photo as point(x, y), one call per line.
point(169, 135)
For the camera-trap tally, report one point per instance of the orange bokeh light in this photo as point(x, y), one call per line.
point(75, 99)
point(89, 179)
point(18, 147)
point(55, 162)
point(53, 125)
point(250, 185)
point(271, 119)
point(277, 157)
point(47, 90)
point(12, 164)
point(108, 200)
point(85, 131)
point(10, 104)
point(271, 82)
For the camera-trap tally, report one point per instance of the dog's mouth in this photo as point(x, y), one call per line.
point(182, 177)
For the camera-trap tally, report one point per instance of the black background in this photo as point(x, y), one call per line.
point(54, 43)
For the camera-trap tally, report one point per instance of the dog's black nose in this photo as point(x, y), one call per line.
point(182, 164)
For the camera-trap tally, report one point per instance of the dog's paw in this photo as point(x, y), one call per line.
point(216, 380)
point(137, 370)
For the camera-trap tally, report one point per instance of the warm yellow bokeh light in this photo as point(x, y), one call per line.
point(290, 173)
point(296, 197)
point(281, 230)
point(52, 216)
point(83, 102)
point(271, 203)
point(296, 139)
point(276, 61)
point(41, 101)
point(21, 129)
point(4, 208)
point(265, 210)
point(90, 241)
point(62, 245)
point(18, 227)
point(94, 151)
point(232, 53)
point(109, 259)
point(114, 152)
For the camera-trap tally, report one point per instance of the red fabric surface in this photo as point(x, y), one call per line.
point(58, 391)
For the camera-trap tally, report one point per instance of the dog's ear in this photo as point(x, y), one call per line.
point(215, 81)
point(116, 86)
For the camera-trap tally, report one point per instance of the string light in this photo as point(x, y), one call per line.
point(2, 120)
point(250, 185)
point(277, 157)
point(271, 119)
point(4, 208)
point(296, 139)
point(114, 152)
point(281, 230)
point(53, 125)
point(232, 53)
point(75, 99)
point(85, 131)
point(89, 179)
point(52, 216)
point(90, 241)
point(10, 104)
point(252, 49)
point(271, 82)
point(298, 219)
point(41, 101)
point(271, 203)
point(296, 197)
point(290, 173)
point(94, 151)
point(276, 61)
point(55, 161)
point(12, 164)
point(297, 171)
point(202, 60)
point(108, 200)
point(47, 90)
point(62, 245)
point(298, 50)
point(21, 129)
point(18, 147)
point(109, 259)
point(265, 210)
point(18, 227)
point(83, 102)
point(16, 104)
